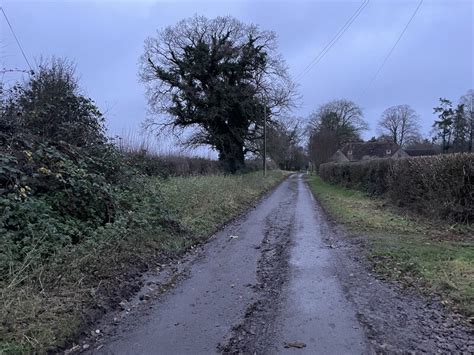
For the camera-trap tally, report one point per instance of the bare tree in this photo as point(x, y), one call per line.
point(400, 123)
point(217, 77)
point(343, 117)
point(331, 126)
point(468, 101)
point(283, 144)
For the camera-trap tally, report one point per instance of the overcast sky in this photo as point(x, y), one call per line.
point(105, 38)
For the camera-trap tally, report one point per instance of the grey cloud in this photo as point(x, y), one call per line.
point(434, 59)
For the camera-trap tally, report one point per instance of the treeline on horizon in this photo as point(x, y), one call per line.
point(223, 83)
point(339, 122)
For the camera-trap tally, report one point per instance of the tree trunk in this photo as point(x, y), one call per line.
point(231, 156)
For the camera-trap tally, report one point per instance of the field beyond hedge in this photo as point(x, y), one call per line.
point(429, 255)
point(45, 307)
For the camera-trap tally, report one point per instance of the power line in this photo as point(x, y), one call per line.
point(333, 41)
point(340, 33)
point(395, 45)
point(327, 44)
point(16, 39)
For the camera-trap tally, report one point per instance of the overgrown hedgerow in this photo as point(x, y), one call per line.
point(437, 186)
point(47, 301)
point(369, 176)
point(80, 218)
point(53, 195)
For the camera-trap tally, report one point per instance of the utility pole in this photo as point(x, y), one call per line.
point(264, 140)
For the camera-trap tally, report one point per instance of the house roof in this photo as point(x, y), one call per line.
point(338, 156)
point(369, 149)
point(420, 152)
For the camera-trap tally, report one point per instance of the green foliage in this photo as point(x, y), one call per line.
point(156, 219)
point(53, 195)
point(454, 127)
point(49, 105)
point(59, 178)
point(445, 122)
point(460, 129)
point(438, 186)
point(77, 214)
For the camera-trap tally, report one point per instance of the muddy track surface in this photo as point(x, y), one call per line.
point(280, 279)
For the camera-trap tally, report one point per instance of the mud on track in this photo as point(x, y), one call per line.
point(256, 331)
point(215, 286)
point(278, 277)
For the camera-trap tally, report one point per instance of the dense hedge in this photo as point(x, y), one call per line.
point(439, 186)
point(170, 165)
point(369, 176)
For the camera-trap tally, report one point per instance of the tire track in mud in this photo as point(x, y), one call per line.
point(282, 273)
point(253, 334)
point(218, 287)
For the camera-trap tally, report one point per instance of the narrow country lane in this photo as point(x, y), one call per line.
point(263, 282)
point(279, 279)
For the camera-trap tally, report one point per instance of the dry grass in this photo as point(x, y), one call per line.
point(51, 306)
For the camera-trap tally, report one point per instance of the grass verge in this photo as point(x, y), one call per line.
point(45, 309)
point(429, 255)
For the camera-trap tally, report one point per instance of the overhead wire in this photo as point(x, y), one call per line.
point(333, 41)
point(16, 38)
point(393, 47)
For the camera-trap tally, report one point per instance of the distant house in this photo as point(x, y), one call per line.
point(375, 150)
point(365, 151)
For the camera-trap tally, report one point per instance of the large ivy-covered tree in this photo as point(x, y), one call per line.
point(214, 76)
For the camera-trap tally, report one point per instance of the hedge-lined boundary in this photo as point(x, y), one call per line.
point(438, 186)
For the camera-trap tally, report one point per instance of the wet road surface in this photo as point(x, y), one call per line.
point(315, 310)
point(226, 282)
point(280, 279)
